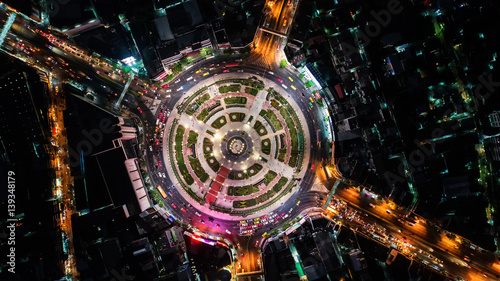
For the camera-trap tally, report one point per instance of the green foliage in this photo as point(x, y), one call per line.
point(228, 51)
point(235, 100)
point(266, 149)
point(261, 130)
point(277, 187)
point(219, 122)
point(309, 83)
point(231, 88)
point(274, 120)
point(283, 63)
point(193, 136)
point(203, 114)
point(251, 91)
point(236, 116)
point(269, 177)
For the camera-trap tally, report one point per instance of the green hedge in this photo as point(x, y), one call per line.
point(203, 114)
point(192, 138)
point(217, 124)
point(274, 120)
point(239, 117)
point(251, 91)
point(266, 149)
point(235, 100)
point(277, 187)
point(258, 126)
point(269, 177)
point(215, 166)
point(198, 170)
point(231, 88)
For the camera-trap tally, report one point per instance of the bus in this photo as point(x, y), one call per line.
point(231, 64)
point(162, 192)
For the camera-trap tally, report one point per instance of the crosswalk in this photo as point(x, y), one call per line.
point(258, 60)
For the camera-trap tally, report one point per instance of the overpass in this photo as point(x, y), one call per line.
point(7, 26)
point(273, 32)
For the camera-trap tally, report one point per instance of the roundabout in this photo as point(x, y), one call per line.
point(236, 146)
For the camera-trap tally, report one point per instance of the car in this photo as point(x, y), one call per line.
point(157, 142)
point(290, 78)
point(311, 99)
point(293, 87)
point(139, 109)
point(225, 70)
point(312, 166)
point(198, 214)
point(228, 231)
point(190, 78)
point(159, 163)
point(182, 209)
point(282, 215)
point(310, 104)
point(160, 115)
point(298, 202)
point(279, 80)
point(180, 89)
point(217, 225)
point(257, 243)
point(198, 71)
point(388, 211)
point(249, 227)
point(173, 205)
point(164, 176)
point(240, 70)
point(371, 205)
point(150, 148)
point(411, 223)
point(159, 174)
point(206, 73)
point(284, 86)
point(278, 47)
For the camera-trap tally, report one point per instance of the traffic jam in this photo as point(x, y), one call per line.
point(248, 227)
point(157, 138)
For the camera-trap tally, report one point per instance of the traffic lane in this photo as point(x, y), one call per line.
point(426, 242)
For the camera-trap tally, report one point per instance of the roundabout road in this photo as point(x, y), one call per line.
point(208, 222)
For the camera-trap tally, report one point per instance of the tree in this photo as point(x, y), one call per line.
point(283, 63)
point(178, 67)
point(301, 76)
point(309, 84)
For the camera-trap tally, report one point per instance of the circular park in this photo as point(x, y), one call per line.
point(236, 145)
